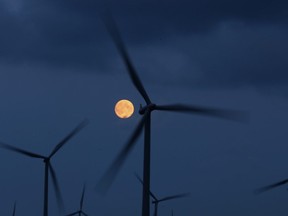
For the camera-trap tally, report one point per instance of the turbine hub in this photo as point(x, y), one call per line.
point(46, 160)
point(149, 107)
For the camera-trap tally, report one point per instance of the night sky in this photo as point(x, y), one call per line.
point(58, 66)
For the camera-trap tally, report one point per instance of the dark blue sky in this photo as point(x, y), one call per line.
point(58, 66)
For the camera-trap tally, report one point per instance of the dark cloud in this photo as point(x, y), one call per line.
point(234, 55)
point(223, 41)
point(184, 17)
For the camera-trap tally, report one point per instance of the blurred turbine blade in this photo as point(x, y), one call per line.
point(269, 187)
point(68, 137)
point(74, 213)
point(14, 209)
point(151, 194)
point(57, 189)
point(235, 115)
point(172, 213)
point(82, 197)
point(114, 32)
point(109, 176)
point(21, 151)
point(174, 197)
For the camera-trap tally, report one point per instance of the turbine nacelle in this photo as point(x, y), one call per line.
point(150, 107)
point(46, 160)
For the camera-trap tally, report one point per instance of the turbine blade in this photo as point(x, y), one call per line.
point(14, 209)
point(109, 176)
point(235, 115)
point(114, 33)
point(174, 197)
point(172, 213)
point(68, 137)
point(57, 190)
point(21, 151)
point(74, 213)
point(151, 194)
point(82, 197)
point(269, 187)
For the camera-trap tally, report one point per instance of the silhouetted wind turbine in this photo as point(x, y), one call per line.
point(48, 165)
point(271, 186)
point(80, 211)
point(156, 201)
point(145, 122)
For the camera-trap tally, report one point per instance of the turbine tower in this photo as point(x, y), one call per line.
point(48, 166)
point(145, 123)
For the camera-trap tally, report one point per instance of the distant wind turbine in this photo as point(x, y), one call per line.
point(156, 201)
point(80, 211)
point(48, 166)
point(145, 123)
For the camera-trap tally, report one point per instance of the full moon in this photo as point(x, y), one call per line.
point(124, 109)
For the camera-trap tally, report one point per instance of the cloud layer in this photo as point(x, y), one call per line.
point(239, 43)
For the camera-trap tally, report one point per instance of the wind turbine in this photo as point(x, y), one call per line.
point(156, 201)
point(48, 166)
point(145, 123)
point(80, 211)
point(271, 186)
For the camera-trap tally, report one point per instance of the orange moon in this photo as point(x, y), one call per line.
point(124, 109)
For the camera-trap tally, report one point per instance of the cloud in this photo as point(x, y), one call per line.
point(12, 6)
point(195, 42)
point(235, 54)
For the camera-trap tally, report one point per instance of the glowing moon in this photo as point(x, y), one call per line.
point(124, 109)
